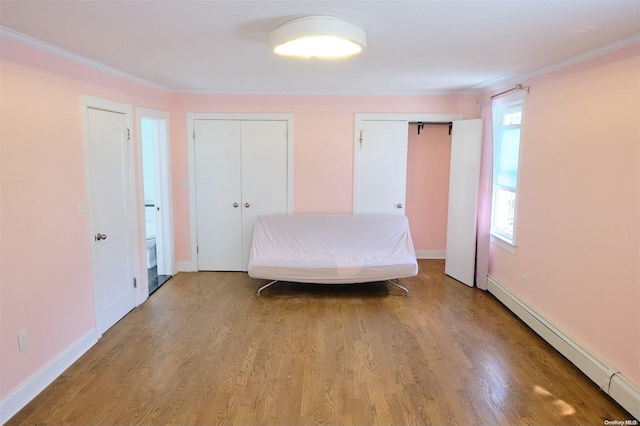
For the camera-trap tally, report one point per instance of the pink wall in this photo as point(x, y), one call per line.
point(323, 150)
point(578, 224)
point(45, 270)
point(46, 280)
point(429, 155)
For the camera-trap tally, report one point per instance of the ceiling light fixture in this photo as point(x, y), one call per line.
point(319, 36)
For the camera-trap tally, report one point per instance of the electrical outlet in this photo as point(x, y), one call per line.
point(524, 281)
point(23, 340)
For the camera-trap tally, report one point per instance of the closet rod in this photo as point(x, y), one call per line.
point(422, 123)
point(516, 87)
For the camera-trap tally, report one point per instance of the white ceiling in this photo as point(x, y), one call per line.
point(414, 47)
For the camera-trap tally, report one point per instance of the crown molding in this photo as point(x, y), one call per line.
point(500, 82)
point(477, 89)
point(425, 92)
point(29, 41)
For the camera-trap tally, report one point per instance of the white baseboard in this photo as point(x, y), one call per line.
point(621, 389)
point(430, 254)
point(42, 378)
point(184, 267)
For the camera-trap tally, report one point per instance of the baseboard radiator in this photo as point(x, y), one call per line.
point(609, 379)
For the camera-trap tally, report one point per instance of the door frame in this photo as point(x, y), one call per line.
point(408, 118)
point(191, 117)
point(162, 154)
point(93, 102)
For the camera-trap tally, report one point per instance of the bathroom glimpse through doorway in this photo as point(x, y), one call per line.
point(157, 202)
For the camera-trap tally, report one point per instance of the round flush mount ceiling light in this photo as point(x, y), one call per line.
point(318, 36)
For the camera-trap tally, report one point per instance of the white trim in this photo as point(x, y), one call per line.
point(42, 378)
point(108, 105)
point(500, 82)
point(517, 98)
point(430, 254)
point(502, 243)
point(408, 117)
point(185, 267)
point(309, 92)
point(238, 116)
point(42, 46)
point(166, 198)
point(608, 378)
point(191, 117)
point(477, 89)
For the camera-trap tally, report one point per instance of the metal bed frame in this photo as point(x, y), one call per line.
point(395, 282)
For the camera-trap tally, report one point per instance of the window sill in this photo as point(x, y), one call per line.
point(504, 244)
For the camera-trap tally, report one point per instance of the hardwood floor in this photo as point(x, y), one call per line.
point(206, 350)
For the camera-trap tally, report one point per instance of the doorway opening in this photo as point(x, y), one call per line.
point(155, 171)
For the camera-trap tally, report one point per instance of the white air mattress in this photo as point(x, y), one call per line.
point(332, 249)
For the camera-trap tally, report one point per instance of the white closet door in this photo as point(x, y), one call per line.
point(466, 145)
point(264, 175)
point(380, 167)
point(241, 169)
point(217, 152)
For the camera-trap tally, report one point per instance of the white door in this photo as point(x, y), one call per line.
point(264, 175)
point(111, 216)
point(217, 155)
point(380, 167)
point(466, 146)
point(241, 172)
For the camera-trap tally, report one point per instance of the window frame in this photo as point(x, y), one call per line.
point(499, 106)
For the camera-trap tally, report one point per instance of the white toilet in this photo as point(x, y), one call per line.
point(150, 223)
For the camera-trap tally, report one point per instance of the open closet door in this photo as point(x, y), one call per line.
point(466, 144)
point(380, 167)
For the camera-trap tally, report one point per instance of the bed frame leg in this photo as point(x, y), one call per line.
point(266, 285)
point(395, 282)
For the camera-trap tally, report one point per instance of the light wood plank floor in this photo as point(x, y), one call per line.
point(204, 349)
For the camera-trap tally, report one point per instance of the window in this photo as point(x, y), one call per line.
point(507, 126)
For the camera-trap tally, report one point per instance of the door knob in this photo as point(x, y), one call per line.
point(247, 205)
point(399, 205)
point(235, 205)
point(100, 236)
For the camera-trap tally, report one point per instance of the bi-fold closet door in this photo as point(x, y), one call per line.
point(241, 171)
